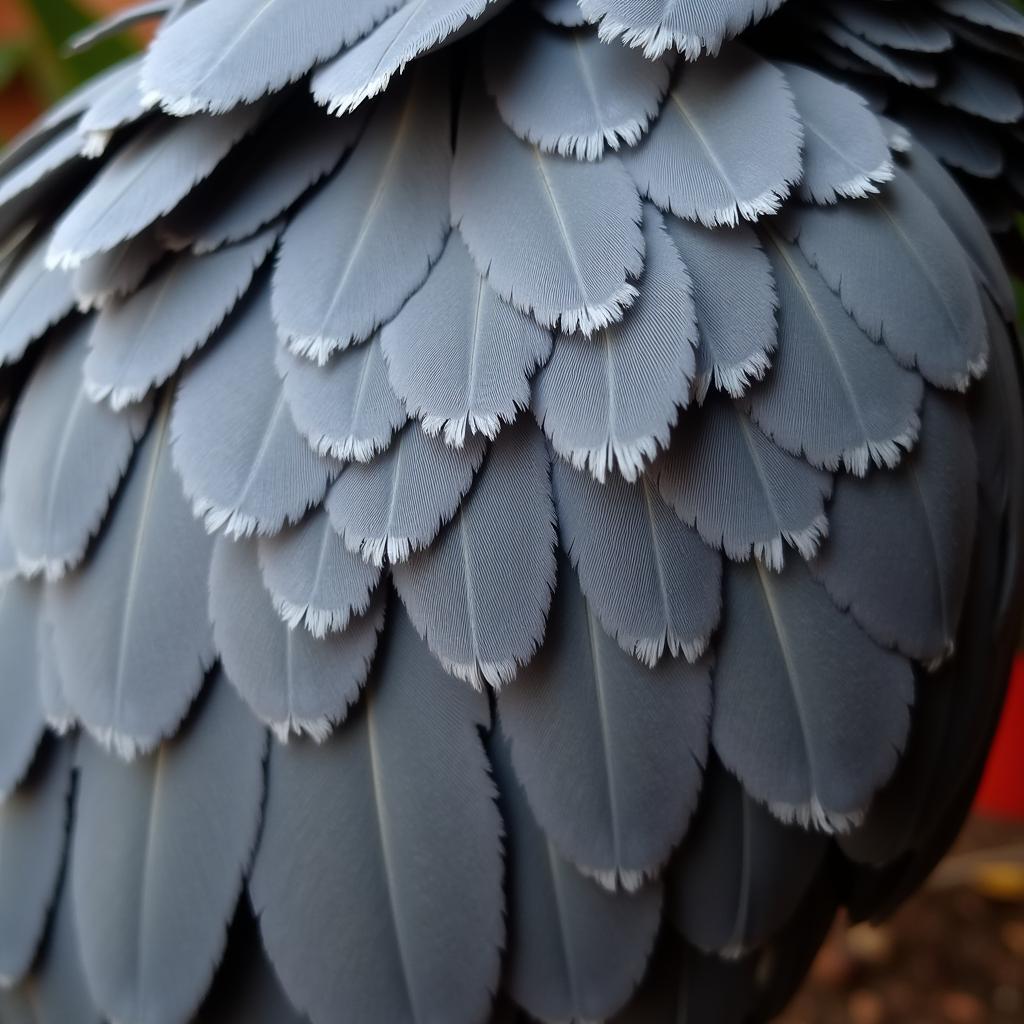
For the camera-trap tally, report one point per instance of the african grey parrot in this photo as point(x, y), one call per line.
point(509, 511)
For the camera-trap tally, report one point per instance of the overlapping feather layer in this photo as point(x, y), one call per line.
point(587, 441)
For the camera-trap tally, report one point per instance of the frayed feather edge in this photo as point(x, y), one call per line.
point(317, 729)
point(317, 348)
point(378, 550)
point(51, 569)
point(589, 319)
point(61, 725)
point(349, 449)
point(883, 454)
point(94, 144)
point(649, 650)
point(589, 147)
point(317, 621)
point(859, 187)
point(630, 459)
point(813, 816)
point(767, 204)
point(618, 879)
point(455, 428)
point(736, 379)
point(117, 398)
point(126, 747)
point(480, 673)
point(234, 524)
point(771, 553)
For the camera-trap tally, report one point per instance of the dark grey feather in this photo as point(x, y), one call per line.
point(610, 753)
point(292, 681)
point(727, 144)
point(365, 242)
point(244, 465)
point(313, 579)
point(609, 402)
point(650, 579)
point(566, 13)
point(742, 493)
point(962, 143)
point(397, 504)
point(139, 342)
point(65, 459)
point(459, 355)
point(575, 950)
point(480, 594)
point(916, 70)
point(157, 860)
point(900, 28)
point(981, 90)
point(41, 168)
point(809, 713)
point(994, 14)
point(345, 409)
point(367, 836)
point(511, 201)
point(129, 626)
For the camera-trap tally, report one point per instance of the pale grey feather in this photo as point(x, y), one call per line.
point(354, 829)
point(146, 179)
point(416, 28)
point(158, 856)
point(459, 355)
point(846, 154)
point(263, 177)
point(690, 28)
point(741, 873)
point(119, 21)
point(118, 106)
point(578, 717)
point(511, 201)
point(653, 583)
point(809, 713)
point(117, 272)
point(981, 90)
point(365, 242)
point(313, 579)
point(480, 595)
point(33, 823)
point(911, 287)
point(292, 681)
point(21, 713)
point(65, 459)
point(727, 146)
point(225, 52)
point(926, 512)
point(833, 395)
point(576, 951)
point(961, 216)
point(129, 627)
point(139, 342)
point(59, 715)
point(610, 401)
point(569, 93)
point(346, 409)
point(741, 492)
point(8, 557)
point(735, 301)
point(244, 465)
point(397, 504)
point(32, 300)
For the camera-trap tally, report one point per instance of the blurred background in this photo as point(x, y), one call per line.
point(954, 954)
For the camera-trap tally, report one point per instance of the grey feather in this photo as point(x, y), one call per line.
point(21, 657)
point(809, 713)
point(735, 301)
point(900, 28)
point(690, 28)
point(59, 715)
point(397, 504)
point(292, 681)
point(223, 53)
point(578, 718)
point(345, 409)
point(566, 13)
point(367, 836)
point(138, 343)
point(414, 29)
point(116, 273)
point(994, 14)
point(610, 401)
point(8, 557)
point(846, 154)
point(741, 873)
point(727, 144)
point(653, 583)
point(480, 595)
point(981, 90)
point(925, 512)
point(365, 242)
point(263, 177)
point(575, 950)
point(129, 626)
point(32, 300)
point(569, 93)
point(511, 201)
point(146, 179)
point(740, 491)
point(41, 168)
point(65, 459)
point(959, 213)
point(313, 579)
point(833, 395)
point(33, 822)
point(911, 287)
point(960, 142)
point(244, 465)
point(117, 22)
point(459, 355)
point(916, 70)
point(159, 851)
point(118, 106)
